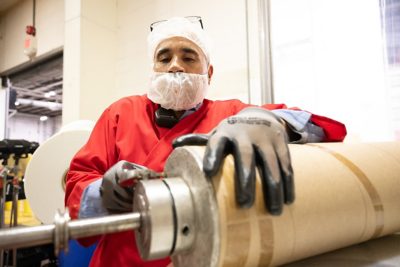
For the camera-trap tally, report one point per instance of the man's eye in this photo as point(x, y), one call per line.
point(188, 59)
point(164, 60)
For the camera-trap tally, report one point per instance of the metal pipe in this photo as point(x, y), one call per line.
point(19, 237)
point(103, 225)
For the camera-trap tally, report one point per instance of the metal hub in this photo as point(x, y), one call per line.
point(167, 217)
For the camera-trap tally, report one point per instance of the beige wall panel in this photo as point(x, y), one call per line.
point(97, 69)
point(14, 22)
point(49, 25)
point(89, 62)
point(72, 69)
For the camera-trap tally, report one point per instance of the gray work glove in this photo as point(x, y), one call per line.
point(256, 138)
point(117, 186)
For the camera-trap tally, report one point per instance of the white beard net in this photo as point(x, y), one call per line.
point(179, 90)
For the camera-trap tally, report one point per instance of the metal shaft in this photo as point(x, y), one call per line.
point(103, 225)
point(19, 237)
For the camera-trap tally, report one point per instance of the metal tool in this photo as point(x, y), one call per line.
point(174, 216)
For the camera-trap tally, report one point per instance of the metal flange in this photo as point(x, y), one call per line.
point(167, 217)
point(155, 236)
point(186, 163)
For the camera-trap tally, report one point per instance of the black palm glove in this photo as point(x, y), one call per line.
point(117, 187)
point(256, 138)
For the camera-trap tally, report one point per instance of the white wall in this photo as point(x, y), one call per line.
point(224, 20)
point(328, 58)
point(49, 26)
point(89, 58)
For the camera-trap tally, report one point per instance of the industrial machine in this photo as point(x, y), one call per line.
point(345, 194)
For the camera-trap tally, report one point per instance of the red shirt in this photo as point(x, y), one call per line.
point(127, 131)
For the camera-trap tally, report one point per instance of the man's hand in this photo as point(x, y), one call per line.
point(117, 187)
point(257, 139)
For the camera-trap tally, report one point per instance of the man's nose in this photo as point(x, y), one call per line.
point(176, 66)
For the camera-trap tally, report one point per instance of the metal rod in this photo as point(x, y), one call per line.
point(39, 235)
point(19, 237)
point(103, 225)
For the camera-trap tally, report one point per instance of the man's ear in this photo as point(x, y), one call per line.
point(210, 73)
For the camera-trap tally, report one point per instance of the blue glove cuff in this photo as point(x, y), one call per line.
point(91, 202)
point(299, 122)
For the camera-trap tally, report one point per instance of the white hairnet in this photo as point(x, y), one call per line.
point(178, 27)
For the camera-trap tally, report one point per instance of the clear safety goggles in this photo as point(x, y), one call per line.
point(193, 19)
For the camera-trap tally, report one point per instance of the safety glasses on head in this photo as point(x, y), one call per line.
point(193, 19)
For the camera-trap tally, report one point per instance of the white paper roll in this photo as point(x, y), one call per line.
point(44, 176)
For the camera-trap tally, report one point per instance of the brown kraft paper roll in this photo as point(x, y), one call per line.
point(345, 194)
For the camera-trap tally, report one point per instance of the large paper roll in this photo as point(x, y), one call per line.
point(44, 176)
point(345, 194)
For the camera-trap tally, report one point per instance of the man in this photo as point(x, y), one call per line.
point(140, 131)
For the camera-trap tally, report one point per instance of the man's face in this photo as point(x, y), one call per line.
point(178, 54)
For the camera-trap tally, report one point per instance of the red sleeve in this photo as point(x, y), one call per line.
point(90, 162)
point(334, 131)
point(274, 106)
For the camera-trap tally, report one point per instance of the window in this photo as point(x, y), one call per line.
point(390, 17)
